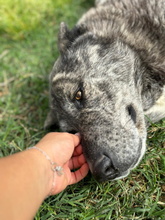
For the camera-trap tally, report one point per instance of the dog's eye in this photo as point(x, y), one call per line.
point(79, 95)
point(79, 98)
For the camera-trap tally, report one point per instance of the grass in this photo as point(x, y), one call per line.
point(27, 53)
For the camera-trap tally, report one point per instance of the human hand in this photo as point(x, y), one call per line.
point(65, 150)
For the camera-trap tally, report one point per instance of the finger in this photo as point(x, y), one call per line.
point(76, 139)
point(79, 174)
point(60, 137)
point(78, 150)
point(76, 162)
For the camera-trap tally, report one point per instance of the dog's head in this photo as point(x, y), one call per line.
point(94, 89)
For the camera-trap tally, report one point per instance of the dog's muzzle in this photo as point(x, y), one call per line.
point(105, 165)
point(103, 170)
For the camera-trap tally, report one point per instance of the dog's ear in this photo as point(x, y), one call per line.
point(63, 37)
point(51, 121)
point(66, 37)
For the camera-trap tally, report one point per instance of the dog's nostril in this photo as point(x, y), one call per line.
point(104, 169)
point(107, 170)
point(110, 170)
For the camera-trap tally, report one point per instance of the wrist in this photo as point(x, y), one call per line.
point(43, 171)
point(53, 171)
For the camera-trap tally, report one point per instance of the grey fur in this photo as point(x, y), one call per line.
point(115, 57)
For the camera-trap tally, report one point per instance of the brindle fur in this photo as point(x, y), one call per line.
point(115, 56)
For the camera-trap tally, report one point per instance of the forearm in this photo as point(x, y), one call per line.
point(27, 177)
point(24, 184)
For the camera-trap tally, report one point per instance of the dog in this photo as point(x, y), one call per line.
point(109, 80)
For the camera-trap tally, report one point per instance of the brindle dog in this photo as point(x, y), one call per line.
point(109, 77)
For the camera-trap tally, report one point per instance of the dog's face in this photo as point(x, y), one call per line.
point(94, 92)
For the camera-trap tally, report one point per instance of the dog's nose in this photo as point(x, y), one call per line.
point(104, 169)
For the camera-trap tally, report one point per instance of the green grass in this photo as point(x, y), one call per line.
point(28, 39)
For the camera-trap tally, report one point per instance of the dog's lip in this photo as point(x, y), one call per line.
point(139, 153)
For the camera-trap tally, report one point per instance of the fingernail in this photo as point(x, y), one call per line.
point(78, 134)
